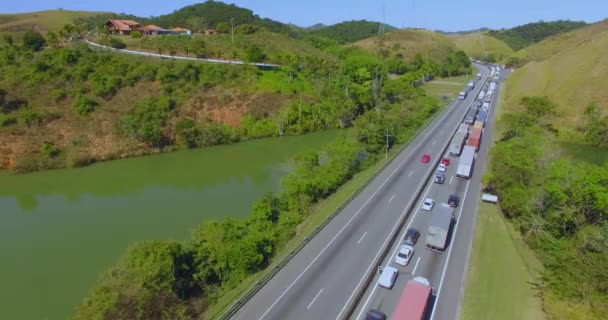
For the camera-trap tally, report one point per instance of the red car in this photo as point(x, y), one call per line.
point(446, 161)
point(425, 158)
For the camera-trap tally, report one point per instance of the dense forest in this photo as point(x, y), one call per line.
point(351, 31)
point(559, 205)
point(525, 35)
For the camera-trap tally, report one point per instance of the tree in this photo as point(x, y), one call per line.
point(223, 27)
point(8, 39)
point(254, 54)
point(52, 39)
point(33, 40)
point(196, 23)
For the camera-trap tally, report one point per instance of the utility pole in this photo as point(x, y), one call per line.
point(232, 28)
point(387, 135)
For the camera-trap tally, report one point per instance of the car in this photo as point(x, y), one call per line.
point(374, 314)
point(441, 167)
point(439, 178)
point(476, 105)
point(445, 161)
point(428, 204)
point(411, 236)
point(405, 255)
point(425, 158)
point(453, 200)
point(388, 277)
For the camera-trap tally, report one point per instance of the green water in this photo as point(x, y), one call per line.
point(59, 229)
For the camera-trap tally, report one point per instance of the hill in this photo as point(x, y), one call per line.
point(350, 31)
point(42, 20)
point(525, 35)
point(570, 68)
point(481, 46)
point(408, 42)
point(212, 14)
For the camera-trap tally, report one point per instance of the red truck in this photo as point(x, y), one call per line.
point(414, 300)
point(475, 138)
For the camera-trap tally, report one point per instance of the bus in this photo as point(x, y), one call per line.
point(414, 300)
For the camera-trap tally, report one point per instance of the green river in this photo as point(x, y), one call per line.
point(59, 229)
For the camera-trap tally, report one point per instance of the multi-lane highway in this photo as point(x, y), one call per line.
point(320, 282)
point(445, 271)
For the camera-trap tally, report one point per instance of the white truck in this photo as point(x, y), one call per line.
point(439, 227)
point(465, 165)
point(457, 143)
point(463, 127)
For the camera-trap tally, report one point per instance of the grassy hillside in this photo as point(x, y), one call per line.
point(481, 46)
point(525, 35)
point(571, 69)
point(42, 20)
point(350, 31)
point(408, 42)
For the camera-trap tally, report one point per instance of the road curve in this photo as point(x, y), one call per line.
point(321, 279)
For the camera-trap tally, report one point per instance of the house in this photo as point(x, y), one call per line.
point(122, 27)
point(179, 30)
point(153, 30)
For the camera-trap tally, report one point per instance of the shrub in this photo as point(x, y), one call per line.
point(255, 54)
point(50, 150)
point(136, 34)
point(84, 105)
point(33, 40)
point(145, 122)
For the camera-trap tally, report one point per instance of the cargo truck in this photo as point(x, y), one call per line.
point(475, 139)
point(457, 143)
point(464, 128)
point(478, 125)
point(439, 227)
point(471, 86)
point(465, 165)
point(482, 117)
point(414, 300)
point(470, 117)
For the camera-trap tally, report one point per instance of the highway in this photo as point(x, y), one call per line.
point(446, 271)
point(321, 280)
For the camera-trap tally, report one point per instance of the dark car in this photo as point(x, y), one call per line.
point(375, 315)
point(411, 236)
point(453, 200)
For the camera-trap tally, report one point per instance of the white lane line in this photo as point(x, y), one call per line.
point(363, 236)
point(409, 224)
point(452, 178)
point(439, 121)
point(314, 299)
point(416, 266)
point(452, 241)
point(410, 174)
point(433, 143)
point(391, 199)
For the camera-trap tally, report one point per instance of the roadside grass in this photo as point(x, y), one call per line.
point(586, 153)
point(502, 272)
point(278, 82)
point(446, 89)
point(480, 45)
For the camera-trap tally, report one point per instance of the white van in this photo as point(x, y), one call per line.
point(388, 277)
point(462, 95)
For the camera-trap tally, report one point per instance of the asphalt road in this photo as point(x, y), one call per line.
point(447, 270)
point(321, 279)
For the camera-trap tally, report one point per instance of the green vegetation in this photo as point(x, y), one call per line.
point(558, 205)
point(525, 35)
point(483, 47)
point(33, 40)
point(446, 89)
point(44, 21)
point(503, 273)
point(350, 31)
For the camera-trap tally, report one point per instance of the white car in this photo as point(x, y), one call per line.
point(428, 204)
point(485, 106)
point(387, 277)
point(441, 167)
point(405, 255)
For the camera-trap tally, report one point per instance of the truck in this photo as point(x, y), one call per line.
point(478, 124)
point(479, 76)
point(481, 95)
point(471, 86)
point(470, 116)
point(457, 143)
point(482, 117)
point(463, 127)
point(465, 165)
point(439, 227)
point(475, 139)
point(414, 300)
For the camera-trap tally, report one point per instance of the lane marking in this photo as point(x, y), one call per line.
point(362, 237)
point(315, 298)
point(445, 267)
point(410, 174)
point(433, 143)
point(416, 266)
point(452, 178)
point(391, 199)
point(448, 110)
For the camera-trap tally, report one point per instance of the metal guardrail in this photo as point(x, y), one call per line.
point(235, 307)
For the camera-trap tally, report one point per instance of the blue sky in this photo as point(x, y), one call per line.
point(449, 15)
